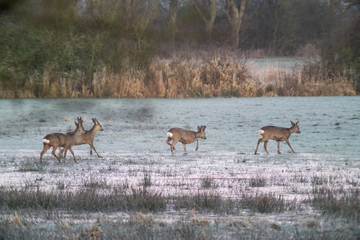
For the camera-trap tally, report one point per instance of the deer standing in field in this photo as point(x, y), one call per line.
point(88, 137)
point(278, 134)
point(185, 137)
point(65, 140)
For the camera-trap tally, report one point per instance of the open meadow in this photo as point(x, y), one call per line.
point(137, 190)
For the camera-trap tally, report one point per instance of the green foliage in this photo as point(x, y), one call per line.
point(72, 39)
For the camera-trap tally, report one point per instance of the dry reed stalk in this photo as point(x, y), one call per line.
point(249, 88)
point(45, 84)
point(337, 87)
point(54, 90)
point(64, 89)
point(7, 94)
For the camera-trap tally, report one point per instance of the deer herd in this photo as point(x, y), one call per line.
point(80, 136)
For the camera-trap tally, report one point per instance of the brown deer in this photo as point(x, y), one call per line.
point(185, 137)
point(278, 134)
point(88, 137)
point(65, 140)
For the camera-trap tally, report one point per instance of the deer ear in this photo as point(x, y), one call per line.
point(76, 123)
point(292, 123)
point(199, 128)
point(297, 123)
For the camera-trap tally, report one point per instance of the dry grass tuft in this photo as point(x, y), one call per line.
point(338, 202)
point(17, 220)
point(95, 233)
point(267, 203)
point(141, 218)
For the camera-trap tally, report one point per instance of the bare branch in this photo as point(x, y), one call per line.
point(198, 11)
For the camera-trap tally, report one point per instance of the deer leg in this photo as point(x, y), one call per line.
point(287, 141)
point(65, 153)
point(184, 145)
point(278, 144)
point(172, 146)
point(91, 150)
point(92, 146)
point(46, 147)
point(257, 146)
point(197, 144)
point(53, 153)
point(71, 153)
point(265, 146)
point(168, 142)
point(61, 152)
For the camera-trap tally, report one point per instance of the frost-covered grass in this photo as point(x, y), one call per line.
point(138, 190)
point(149, 226)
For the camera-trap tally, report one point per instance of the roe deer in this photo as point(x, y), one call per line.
point(66, 140)
point(278, 134)
point(88, 137)
point(185, 137)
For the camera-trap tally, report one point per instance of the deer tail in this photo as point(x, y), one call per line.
point(261, 132)
point(169, 134)
point(47, 141)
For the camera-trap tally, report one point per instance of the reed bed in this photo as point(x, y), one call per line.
point(179, 78)
point(310, 79)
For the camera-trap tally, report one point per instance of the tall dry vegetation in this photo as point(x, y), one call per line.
point(310, 79)
point(209, 77)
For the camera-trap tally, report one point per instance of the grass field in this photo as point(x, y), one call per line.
point(222, 191)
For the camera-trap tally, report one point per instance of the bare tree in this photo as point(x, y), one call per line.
point(142, 21)
point(208, 22)
point(234, 15)
point(172, 19)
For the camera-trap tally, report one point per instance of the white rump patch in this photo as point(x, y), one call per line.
point(169, 134)
point(261, 132)
point(46, 141)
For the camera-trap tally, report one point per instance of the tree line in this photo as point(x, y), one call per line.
point(82, 37)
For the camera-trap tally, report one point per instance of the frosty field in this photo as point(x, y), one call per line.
point(135, 154)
